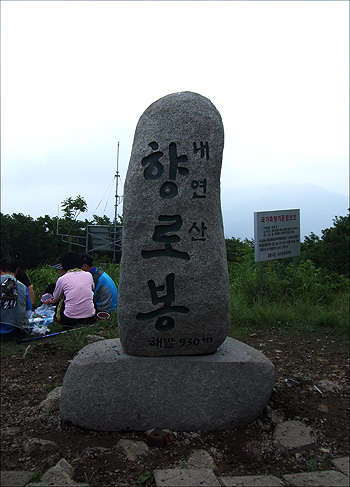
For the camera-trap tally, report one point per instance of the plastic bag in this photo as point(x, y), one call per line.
point(40, 319)
point(46, 311)
point(40, 329)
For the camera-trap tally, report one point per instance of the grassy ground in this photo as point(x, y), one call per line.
point(288, 300)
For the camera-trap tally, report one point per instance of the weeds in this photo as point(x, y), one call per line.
point(305, 298)
point(146, 479)
point(51, 387)
point(36, 476)
point(317, 464)
point(302, 299)
point(74, 340)
point(87, 478)
point(184, 462)
point(276, 391)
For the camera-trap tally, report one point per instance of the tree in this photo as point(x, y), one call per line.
point(71, 210)
point(335, 247)
point(236, 248)
point(31, 242)
point(36, 242)
point(101, 220)
point(331, 251)
point(73, 207)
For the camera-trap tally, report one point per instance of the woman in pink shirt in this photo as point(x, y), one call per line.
point(77, 287)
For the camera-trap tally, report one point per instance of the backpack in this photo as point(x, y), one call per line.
point(9, 293)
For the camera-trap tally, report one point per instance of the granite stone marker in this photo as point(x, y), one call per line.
point(174, 295)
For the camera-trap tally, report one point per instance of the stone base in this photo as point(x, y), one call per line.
point(106, 389)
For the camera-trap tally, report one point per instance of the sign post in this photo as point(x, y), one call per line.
point(276, 235)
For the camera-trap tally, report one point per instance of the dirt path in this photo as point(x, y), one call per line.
point(303, 360)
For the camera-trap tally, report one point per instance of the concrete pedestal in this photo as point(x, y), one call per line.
point(106, 389)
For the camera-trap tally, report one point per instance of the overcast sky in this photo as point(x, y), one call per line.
point(76, 77)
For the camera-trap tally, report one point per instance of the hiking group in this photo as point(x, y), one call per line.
point(79, 294)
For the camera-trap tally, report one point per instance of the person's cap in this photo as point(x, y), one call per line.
point(87, 259)
point(56, 265)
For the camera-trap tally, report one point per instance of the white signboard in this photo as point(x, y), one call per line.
point(276, 234)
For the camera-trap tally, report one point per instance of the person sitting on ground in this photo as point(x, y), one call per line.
point(77, 287)
point(22, 277)
point(51, 287)
point(15, 303)
point(106, 292)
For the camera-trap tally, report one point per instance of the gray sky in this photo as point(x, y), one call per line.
point(76, 77)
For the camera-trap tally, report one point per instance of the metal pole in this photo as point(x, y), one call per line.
point(261, 275)
point(116, 187)
point(25, 340)
point(58, 213)
point(116, 204)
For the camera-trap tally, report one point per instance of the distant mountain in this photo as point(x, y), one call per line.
point(318, 207)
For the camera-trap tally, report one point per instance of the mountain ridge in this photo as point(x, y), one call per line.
point(318, 206)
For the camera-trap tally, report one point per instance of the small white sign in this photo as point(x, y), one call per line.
point(276, 234)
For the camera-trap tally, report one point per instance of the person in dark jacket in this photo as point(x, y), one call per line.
point(15, 303)
point(20, 276)
point(106, 292)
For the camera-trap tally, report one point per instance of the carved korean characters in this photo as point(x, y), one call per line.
point(174, 296)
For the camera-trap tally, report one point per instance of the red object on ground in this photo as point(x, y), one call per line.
point(158, 438)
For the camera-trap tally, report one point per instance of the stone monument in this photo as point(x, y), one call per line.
point(174, 288)
point(173, 366)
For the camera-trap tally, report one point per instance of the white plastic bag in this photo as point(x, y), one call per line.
point(46, 310)
point(40, 329)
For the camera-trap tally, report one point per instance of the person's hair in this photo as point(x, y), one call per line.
point(71, 260)
point(9, 264)
point(87, 259)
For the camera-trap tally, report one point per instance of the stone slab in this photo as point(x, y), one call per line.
point(132, 449)
point(251, 481)
point(200, 459)
point(342, 464)
point(329, 478)
point(174, 294)
point(294, 436)
point(60, 475)
point(105, 389)
point(15, 478)
point(185, 478)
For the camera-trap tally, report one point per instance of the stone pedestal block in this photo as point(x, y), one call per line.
point(106, 389)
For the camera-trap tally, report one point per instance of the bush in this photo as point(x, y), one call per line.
point(288, 297)
point(305, 297)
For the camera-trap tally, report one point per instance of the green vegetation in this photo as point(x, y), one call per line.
point(145, 479)
point(69, 342)
point(35, 243)
point(304, 298)
point(317, 464)
point(36, 476)
point(313, 296)
point(331, 251)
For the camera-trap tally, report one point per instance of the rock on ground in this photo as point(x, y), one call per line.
point(132, 449)
point(204, 477)
point(58, 476)
point(329, 478)
point(15, 478)
point(52, 401)
point(294, 436)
